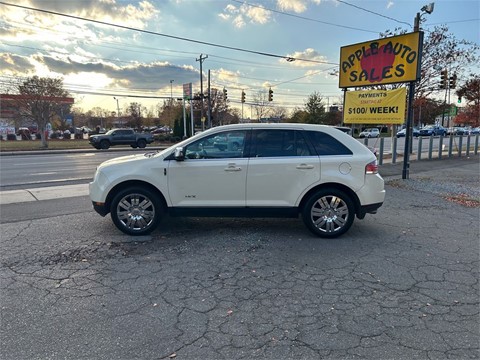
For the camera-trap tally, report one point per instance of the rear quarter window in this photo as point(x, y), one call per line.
point(326, 144)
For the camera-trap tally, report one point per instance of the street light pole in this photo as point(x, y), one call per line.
point(171, 92)
point(118, 110)
point(411, 93)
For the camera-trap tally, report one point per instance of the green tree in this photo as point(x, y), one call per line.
point(299, 116)
point(315, 109)
point(41, 100)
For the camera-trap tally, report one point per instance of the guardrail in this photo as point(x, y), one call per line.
point(429, 147)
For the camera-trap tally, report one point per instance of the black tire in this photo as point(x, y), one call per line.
point(134, 146)
point(104, 144)
point(136, 211)
point(328, 213)
point(141, 143)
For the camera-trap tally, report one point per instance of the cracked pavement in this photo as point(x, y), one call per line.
point(401, 284)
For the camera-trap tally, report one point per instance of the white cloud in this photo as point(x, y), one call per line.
point(390, 4)
point(307, 54)
point(298, 6)
point(244, 14)
point(223, 75)
point(238, 21)
point(257, 15)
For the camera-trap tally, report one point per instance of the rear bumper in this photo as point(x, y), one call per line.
point(368, 209)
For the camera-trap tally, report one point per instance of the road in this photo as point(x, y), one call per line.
point(73, 167)
point(402, 284)
point(56, 167)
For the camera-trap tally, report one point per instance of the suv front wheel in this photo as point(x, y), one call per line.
point(328, 213)
point(136, 211)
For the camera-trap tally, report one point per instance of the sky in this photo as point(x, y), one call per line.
point(144, 51)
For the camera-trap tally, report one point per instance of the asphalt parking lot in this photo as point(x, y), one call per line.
point(401, 284)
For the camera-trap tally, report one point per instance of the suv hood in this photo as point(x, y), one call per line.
point(127, 159)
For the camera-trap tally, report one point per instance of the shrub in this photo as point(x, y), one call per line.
point(11, 137)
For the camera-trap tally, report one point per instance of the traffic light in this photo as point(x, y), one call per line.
point(443, 79)
point(270, 95)
point(224, 94)
point(243, 96)
point(453, 81)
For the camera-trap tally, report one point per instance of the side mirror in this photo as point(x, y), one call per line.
point(179, 155)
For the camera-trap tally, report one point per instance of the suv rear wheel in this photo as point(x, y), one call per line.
point(136, 211)
point(329, 213)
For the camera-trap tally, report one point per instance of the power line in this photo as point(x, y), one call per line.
point(304, 18)
point(287, 58)
point(373, 12)
point(452, 22)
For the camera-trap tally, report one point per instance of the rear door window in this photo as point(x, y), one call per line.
point(279, 143)
point(326, 144)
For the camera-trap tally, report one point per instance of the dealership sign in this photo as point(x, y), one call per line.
point(375, 107)
point(383, 61)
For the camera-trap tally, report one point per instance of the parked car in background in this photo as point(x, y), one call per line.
point(402, 132)
point(475, 131)
point(120, 137)
point(433, 130)
point(284, 170)
point(370, 133)
point(161, 130)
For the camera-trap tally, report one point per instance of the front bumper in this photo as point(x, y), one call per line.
point(100, 208)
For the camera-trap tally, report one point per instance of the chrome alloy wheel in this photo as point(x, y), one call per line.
point(329, 214)
point(135, 212)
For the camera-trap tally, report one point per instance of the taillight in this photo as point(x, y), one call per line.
point(372, 167)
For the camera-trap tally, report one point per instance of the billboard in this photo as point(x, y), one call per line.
point(187, 91)
point(375, 107)
point(390, 60)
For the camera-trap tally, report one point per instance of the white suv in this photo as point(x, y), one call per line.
point(281, 170)
point(370, 133)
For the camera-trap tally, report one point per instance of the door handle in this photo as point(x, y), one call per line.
point(233, 167)
point(305, 167)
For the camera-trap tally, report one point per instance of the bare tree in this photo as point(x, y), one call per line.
point(261, 105)
point(40, 100)
point(441, 50)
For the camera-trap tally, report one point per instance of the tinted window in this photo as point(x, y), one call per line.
point(325, 144)
point(279, 143)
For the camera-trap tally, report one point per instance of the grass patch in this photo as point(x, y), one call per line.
point(53, 144)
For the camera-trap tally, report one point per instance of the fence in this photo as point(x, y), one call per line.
point(426, 147)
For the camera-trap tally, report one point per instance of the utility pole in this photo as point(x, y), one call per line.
point(209, 115)
point(202, 58)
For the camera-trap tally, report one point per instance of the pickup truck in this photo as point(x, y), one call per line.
point(120, 137)
point(230, 142)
